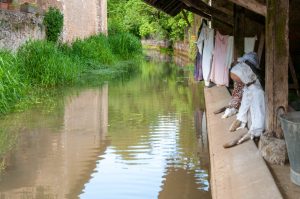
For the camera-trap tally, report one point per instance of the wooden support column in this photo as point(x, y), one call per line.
point(277, 60)
point(239, 31)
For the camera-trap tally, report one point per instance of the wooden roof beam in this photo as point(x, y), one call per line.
point(171, 5)
point(165, 6)
point(252, 5)
point(198, 12)
point(212, 11)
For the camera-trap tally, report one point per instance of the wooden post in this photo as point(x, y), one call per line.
point(277, 60)
point(261, 46)
point(295, 84)
point(239, 31)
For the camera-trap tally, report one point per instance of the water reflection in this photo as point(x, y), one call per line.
point(180, 59)
point(51, 163)
point(142, 139)
point(154, 141)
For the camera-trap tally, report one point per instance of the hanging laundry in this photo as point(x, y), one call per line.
point(249, 44)
point(201, 38)
point(198, 75)
point(219, 70)
point(229, 53)
point(198, 72)
point(208, 47)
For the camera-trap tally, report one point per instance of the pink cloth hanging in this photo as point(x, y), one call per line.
point(220, 72)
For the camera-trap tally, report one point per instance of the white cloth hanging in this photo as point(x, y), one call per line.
point(229, 54)
point(207, 54)
point(201, 38)
point(249, 44)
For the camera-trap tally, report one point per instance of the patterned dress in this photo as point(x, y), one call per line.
point(237, 95)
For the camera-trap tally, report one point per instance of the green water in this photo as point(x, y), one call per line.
point(144, 138)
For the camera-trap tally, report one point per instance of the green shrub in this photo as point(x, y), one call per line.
point(43, 64)
point(94, 49)
point(125, 45)
point(11, 86)
point(54, 21)
point(115, 27)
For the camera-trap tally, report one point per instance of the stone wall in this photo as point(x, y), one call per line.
point(102, 16)
point(81, 19)
point(151, 43)
point(182, 50)
point(18, 27)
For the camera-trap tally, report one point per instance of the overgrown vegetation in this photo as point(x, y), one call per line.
point(43, 64)
point(12, 87)
point(151, 23)
point(94, 49)
point(125, 45)
point(53, 21)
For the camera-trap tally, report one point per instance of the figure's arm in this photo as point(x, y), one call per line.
point(235, 101)
point(245, 106)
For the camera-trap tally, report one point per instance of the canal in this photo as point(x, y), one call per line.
point(143, 138)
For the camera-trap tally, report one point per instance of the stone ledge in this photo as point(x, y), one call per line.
point(238, 172)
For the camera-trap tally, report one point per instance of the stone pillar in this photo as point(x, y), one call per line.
point(102, 16)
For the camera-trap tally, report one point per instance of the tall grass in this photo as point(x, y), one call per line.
point(94, 49)
point(12, 87)
point(125, 45)
point(43, 64)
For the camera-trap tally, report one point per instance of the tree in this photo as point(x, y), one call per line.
point(144, 21)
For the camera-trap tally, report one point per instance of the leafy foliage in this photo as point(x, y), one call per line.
point(145, 21)
point(54, 21)
point(125, 45)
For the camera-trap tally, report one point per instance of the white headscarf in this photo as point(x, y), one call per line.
point(251, 57)
point(244, 72)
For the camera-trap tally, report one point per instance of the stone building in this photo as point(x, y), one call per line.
point(81, 19)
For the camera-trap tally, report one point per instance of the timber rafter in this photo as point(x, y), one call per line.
point(252, 5)
point(173, 7)
point(209, 10)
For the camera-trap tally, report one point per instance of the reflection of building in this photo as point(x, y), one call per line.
point(181, 184)
point(56, 163)
point(178, 59)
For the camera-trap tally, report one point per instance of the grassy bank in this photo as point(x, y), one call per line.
point(42, 65)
